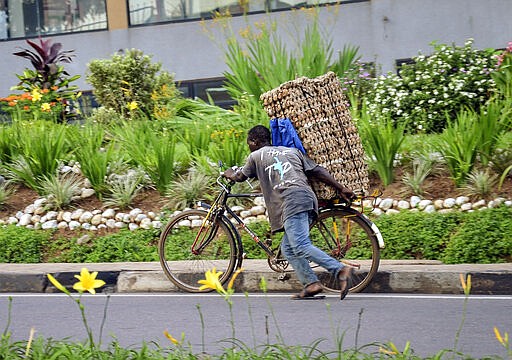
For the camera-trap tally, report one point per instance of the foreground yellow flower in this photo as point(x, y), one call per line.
point(171, 338)
point(212, 281)
point(232, 281)
point(57, 284)
point(502, 339)
point(466, 283)
point(87, 281)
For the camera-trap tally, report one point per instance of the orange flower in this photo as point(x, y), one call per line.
point(12, 103)
point(26, 108)
point(45, 91)
point(55, 88)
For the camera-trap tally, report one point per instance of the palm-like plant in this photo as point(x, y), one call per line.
point(48, 74)
point(44, 57)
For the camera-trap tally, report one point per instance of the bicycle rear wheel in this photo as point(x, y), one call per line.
point(189, 246)
point(345, 235)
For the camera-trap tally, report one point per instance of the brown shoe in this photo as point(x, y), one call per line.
point(309, 291)
point(345, 279)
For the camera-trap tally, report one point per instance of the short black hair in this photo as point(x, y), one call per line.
point(260, 134)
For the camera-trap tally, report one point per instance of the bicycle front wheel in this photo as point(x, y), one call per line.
point(346, 236)
point(189, 246)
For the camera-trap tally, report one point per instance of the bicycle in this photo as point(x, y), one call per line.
point(197, 240)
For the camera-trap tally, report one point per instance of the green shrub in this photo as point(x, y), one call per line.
point(125, 245)
point(425, 91)
point(483, 237)
point(415, 235)
point(129, 81)
point(456, 237)
point(21, 245)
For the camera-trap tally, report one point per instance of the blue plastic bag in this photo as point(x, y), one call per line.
point(284, 134)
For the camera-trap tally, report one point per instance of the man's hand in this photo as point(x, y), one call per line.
point(347, 194)
point(234, 174)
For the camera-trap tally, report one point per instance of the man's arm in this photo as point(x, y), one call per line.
point(321, 173)
point(235, 175)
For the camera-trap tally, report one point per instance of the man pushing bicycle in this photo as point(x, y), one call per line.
point(284, 175)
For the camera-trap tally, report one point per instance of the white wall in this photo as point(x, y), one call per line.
point(384, 30)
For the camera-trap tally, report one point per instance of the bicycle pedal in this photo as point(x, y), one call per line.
point(283, 277)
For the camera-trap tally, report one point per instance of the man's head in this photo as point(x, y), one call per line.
point(258, 137)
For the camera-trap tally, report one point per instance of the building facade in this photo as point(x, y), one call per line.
point(173, 31)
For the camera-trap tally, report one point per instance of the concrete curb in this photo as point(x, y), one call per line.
point(427, 277)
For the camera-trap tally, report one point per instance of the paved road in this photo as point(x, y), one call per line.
point(430, 322)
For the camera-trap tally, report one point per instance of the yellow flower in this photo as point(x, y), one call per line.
point(503, 340)
point(386, 351)
point(36, 95)
point(87, 281)
point(57, 284)
point(45, 106)
point(466, 284)
point(391, 350)
point(171, 338)
point(132, 105)
point(212, 281)
point(232, 281)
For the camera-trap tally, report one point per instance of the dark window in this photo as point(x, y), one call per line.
point(30, 18)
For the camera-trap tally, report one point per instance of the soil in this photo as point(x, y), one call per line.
point(435, 187)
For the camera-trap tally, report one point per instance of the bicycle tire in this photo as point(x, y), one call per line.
point(358, 246)
point(181, 265)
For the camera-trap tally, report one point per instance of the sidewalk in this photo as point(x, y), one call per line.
point(394, 276)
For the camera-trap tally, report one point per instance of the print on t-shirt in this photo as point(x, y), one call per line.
point(281, 167)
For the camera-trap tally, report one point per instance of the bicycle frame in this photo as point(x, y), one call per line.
point(220, 207)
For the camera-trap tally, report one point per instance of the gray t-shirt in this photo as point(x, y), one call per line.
point(281, 172)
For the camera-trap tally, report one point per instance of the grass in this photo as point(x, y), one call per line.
point(179, 348)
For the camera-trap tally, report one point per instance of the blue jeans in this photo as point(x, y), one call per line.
point(299, 251)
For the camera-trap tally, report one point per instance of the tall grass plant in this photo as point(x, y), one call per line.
point(93, 154)
point(382, 141)
point(459, 144)
point(153, 151)
point(42, 147)
point(493, 121)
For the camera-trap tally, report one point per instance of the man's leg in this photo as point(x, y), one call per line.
point(299, 246)
point(304, 273)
